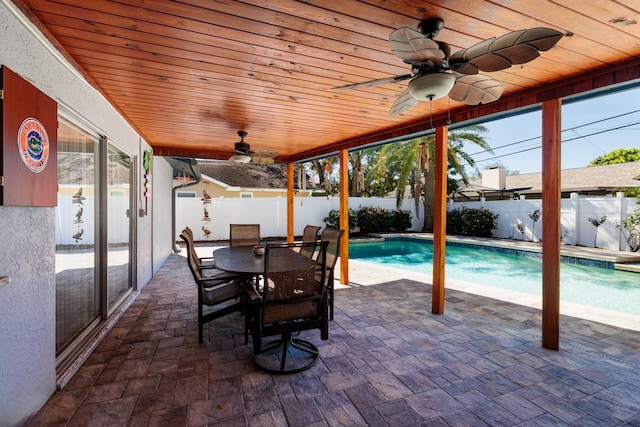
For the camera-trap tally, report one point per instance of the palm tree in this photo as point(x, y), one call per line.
point(410, 164)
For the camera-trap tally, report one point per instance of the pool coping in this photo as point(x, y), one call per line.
point(620, 260)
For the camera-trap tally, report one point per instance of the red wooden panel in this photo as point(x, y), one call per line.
point(31, 182)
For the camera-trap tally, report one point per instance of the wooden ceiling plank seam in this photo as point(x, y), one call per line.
point(62, 17)
point(238, 58)
point(309, 99)
point(158, 69)
point(285, 22)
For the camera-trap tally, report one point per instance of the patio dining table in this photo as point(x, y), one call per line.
point(242, 260)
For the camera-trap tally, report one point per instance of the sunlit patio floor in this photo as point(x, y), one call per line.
point(388, 362)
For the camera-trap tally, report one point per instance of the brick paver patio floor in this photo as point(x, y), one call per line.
point(388, 362)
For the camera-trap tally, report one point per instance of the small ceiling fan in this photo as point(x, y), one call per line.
point(436, 73)
point(245, 155)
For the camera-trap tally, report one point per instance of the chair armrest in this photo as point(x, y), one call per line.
point(218, 279)
point(251, 292)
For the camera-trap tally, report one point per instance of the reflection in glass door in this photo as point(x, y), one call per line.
point(118, 198)
point(77, 286)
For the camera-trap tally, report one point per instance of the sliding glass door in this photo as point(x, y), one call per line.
point(93, 235)
point(77, 284)
point(119, 213)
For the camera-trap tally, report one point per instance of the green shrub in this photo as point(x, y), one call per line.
point(630, 228)
point(471, 222)
point(373, 219)
point(400, 220)
point(333, 219)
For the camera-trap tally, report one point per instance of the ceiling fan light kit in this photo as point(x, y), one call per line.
point(431, 86)
point(240, 158)
point(435, 72)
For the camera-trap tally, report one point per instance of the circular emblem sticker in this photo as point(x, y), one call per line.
point(33, 144)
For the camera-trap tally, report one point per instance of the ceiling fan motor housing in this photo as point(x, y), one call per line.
point(242, 147)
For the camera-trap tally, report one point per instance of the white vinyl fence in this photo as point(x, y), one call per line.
point(576, 229)
point(271, 214)
point(215, 215)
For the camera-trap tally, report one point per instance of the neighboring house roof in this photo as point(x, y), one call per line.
point(592, 178)
point(247, 175)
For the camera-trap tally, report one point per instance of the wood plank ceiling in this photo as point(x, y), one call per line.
point(189, 74)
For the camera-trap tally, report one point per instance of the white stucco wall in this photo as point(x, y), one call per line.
point(27, 311)
point(161, 195)
point(27, 246)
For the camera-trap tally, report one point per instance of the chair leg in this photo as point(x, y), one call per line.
point(248, 316)
point(286, 338)
point(331, 294)
point(200, 323)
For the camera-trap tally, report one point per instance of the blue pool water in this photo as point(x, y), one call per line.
point(518, 271)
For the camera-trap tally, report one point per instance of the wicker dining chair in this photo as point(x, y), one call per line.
point(222, 292)
point(202, 262)
point(332, 236)
point(309, 235)
point(293, 298)
point(244, 234)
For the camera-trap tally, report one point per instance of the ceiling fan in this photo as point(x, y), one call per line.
point(245, 155)
point(435, 72)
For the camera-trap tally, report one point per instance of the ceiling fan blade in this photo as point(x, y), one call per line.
point(377, 82)
point(516, 47)
point(542, 38)
point(264, 157)
point(412, 46)
point(458, 64)
point(266, 153)
point(262, 160)
point(476, 89)
point(403, 102)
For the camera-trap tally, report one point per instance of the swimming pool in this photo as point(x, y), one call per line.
point(512, 270)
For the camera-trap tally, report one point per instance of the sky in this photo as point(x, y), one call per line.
point(590, 128)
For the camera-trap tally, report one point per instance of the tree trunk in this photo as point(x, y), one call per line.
point(429, 192)
point(319, 166)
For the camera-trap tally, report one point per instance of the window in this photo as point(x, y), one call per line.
point(186, 194)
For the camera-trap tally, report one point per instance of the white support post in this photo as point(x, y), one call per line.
point(575, 208)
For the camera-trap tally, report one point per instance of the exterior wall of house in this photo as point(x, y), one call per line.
point(161, 213)
point(27, 311)
point(27, 252)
